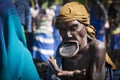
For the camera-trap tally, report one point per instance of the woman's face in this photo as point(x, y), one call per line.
point(72, 30)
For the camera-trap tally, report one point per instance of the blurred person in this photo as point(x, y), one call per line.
point(114, 15)
point(23, 10)
point(114, 29)
point(15, 59)
point(98, 18)
point(43, 45)
point(34, 8)
point(56, 34)
point(82, 55)
point(46, 30)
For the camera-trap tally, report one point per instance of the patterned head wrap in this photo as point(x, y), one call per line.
point(75, 11)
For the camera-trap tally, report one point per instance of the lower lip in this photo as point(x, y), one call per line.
point(69, 48)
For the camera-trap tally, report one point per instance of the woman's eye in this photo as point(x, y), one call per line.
point(61, 28)
point(73, 28)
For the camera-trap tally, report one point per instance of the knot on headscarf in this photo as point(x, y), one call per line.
point(73, 11)
point(90, 32)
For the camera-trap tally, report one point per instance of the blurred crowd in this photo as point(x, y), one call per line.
point(42, 37)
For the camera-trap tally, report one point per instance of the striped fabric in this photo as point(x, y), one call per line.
point(43, 46)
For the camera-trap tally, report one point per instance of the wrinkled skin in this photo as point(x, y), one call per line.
point(88, 63)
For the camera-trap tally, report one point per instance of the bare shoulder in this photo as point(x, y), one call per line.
point(98, 49)
point(97, 44)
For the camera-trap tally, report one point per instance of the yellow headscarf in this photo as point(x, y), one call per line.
point(75, 11)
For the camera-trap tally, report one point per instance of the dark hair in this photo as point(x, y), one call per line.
point(51, 2)
point(66, 1)
point(114, 13)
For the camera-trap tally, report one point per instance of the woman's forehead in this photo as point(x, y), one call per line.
point(71, 22)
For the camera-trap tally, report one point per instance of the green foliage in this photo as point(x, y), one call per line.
point(58, 2)
point(44, 5)
point(81, 1)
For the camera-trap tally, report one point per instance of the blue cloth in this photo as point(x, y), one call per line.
point(57, 39)
point(23, 9)
point(15, 60)
point(43, 46)
point(46, 41)
point(97, 23)
point(115, 41)
point(115, 75)
point(56, 33)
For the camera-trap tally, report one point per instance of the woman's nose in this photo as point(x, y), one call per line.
point(69, 34)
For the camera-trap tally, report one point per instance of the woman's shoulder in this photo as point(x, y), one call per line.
point(97, 44)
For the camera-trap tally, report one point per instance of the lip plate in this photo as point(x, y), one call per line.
point(69, 48)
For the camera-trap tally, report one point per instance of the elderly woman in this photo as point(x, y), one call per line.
point(82, 55)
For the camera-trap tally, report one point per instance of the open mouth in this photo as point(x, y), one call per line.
point(69, 49)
